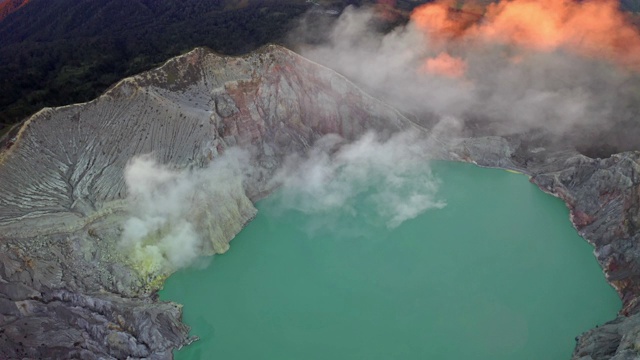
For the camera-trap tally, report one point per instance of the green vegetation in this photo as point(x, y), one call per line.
point(52, 54)
point(57, 52)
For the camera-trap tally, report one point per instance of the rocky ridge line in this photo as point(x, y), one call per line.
point(65, 290)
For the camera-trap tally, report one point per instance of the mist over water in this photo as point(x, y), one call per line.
point(173, 211)
point(392, 176)
point(497, 273)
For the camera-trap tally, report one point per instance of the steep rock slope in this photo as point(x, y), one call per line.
point(65, 290)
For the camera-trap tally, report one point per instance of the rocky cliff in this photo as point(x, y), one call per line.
point(67, 291)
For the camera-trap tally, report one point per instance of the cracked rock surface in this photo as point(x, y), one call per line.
point(65, 289)
point(67, 292)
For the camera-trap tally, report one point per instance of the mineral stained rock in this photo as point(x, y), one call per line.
point(66, 289)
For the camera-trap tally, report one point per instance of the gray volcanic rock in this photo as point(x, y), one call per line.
point(66, 291)
point(603, 196)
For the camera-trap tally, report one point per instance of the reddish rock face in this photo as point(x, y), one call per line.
point(293, 102)
point(581, 219)
point(185, 112)
point(62, 186)
point(9, 6)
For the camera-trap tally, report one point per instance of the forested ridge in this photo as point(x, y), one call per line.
point(57, 52)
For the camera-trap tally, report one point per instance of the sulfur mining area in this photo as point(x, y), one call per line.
point(83, 254)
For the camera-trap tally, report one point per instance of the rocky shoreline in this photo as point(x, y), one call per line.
point(603, 197)
point(66, 291)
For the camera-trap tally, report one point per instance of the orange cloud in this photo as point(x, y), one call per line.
point(439, 19)
point(593, 28)
point(445, 65)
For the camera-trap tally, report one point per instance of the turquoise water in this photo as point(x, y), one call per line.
point(499, 273)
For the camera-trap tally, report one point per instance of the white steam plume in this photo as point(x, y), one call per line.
point(177, 216)
point(393, 173)
point(516, 89)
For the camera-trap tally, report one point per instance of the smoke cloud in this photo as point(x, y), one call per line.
point(565, 67)
point(177, 216)
point(392, 174)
